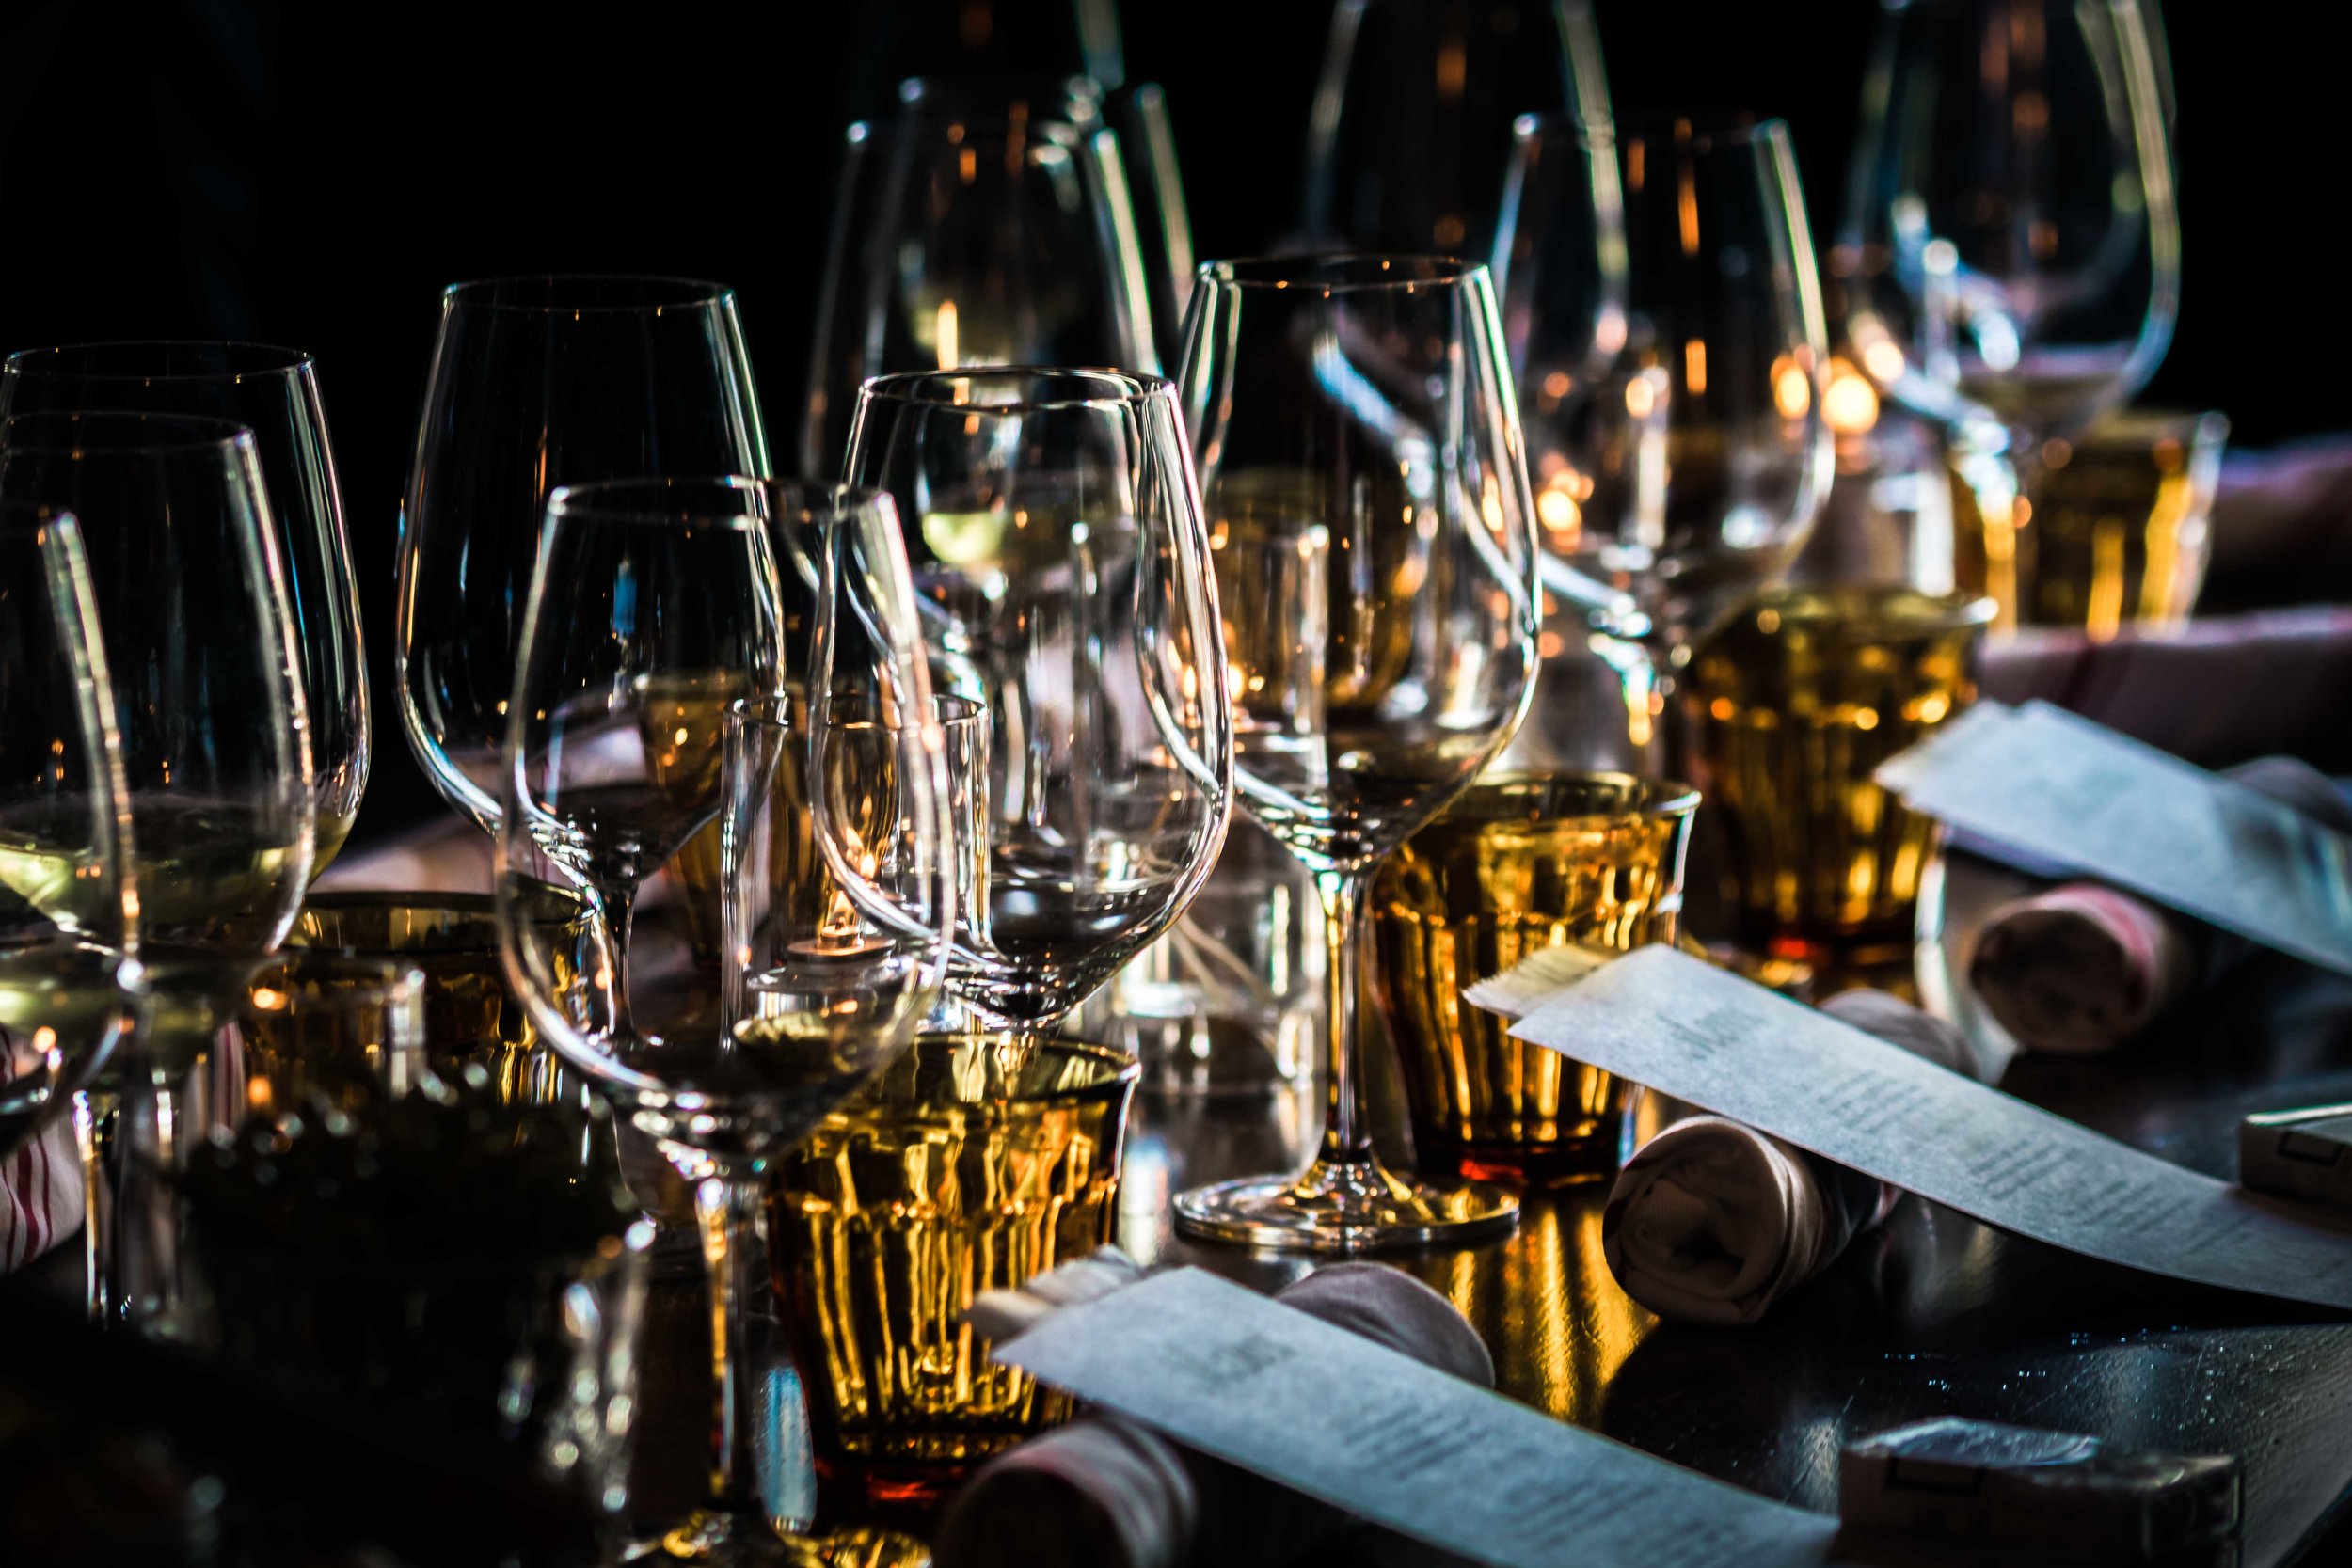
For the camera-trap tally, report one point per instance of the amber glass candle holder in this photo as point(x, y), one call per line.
point(1518, 864)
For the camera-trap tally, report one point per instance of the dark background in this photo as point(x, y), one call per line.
point(312, 173)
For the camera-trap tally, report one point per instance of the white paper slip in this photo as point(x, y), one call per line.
point(1363, 1428)
point(2076, 793)
point(1696, 1033)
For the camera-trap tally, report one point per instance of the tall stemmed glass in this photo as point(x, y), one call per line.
point(1062, 569)
point(539, 382)
point(639, 584)
point(2011, 251)
point(1361, 470)
point(209, 705)
point(1674, 417)
point(273, 391)
point(69, 909)
point(982, 224)
point(1413, 115)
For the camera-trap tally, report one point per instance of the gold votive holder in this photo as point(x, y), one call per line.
point(1790, 708)
point(974, 1161)
point(1518, 864)
point(2112, 528)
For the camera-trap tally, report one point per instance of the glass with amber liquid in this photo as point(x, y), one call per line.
point(972, 1163)
point(2113, 530)
point(1519, 863)
point(470, 1017)
point(1790, 709)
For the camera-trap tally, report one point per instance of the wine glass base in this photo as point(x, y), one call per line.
point(726, 1539)
point(1343, 1207)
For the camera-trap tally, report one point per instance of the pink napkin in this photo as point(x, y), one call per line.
point(2081, 968)
point(1105, 1492)
point(1712, 1221)
point(40, 1189)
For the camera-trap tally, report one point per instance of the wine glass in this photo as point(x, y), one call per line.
point(1412, 118)
point(1374, 544)
point(275, 392)
point(1674, 420)
point(643, 582)
point(209, 706)
point(539, 382)
point(982, 224)
point(1062, 572)
point(69, 915)
point(2011, 256)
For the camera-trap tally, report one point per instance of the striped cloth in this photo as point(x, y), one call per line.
point(41, 1190)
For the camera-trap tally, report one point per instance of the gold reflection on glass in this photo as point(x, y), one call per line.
point(2116, 534)
point(974, 1162)
point(1791, 708)
point(1546, 1306)
point(1519, 864)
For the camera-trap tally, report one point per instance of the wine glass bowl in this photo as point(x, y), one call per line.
point(1374, 541)
point(275, 393)
point(1062, 573)
point(69, 908)
point(536, 383)
point(2011, 244)
point(1675, 430)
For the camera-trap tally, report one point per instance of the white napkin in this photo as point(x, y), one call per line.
point(1712, 1222)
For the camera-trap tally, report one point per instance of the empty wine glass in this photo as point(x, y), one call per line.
point(209, 706)
point(1062, 570)
point(1412, 118)
point(679, 579)
point(69, 911)
point(1675, 431)
point(273, 391)
point(2010, 245)
point(982, 224)
point(540, 382)
point(1374, 547)
point(2011, 259)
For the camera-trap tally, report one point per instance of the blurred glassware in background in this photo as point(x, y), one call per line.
point(275, 393)
point(1376, 557)
point(69, 903)
point(540, 382)
point(1519, 863)
point(1889, 519)
point(1062, 571)
point(1791, 706)
point(986, 223)
point(1672, 396)
point(2118, 532)
point(1413, 111)
point(2011, 252)
point(197, 618)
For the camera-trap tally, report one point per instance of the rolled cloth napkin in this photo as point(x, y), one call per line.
point(1711, 1221)
point(1105, 1491)
point(40, 1186)
point(2081, 968)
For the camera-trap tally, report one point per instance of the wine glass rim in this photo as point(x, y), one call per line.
point(949, 127)
point(114, 432)
point(1343, 272)
point(1119, 1073)
point(655, 291)
point(997, 90)
point(1642, 797)
point(948, 710)
point(1089, 386)
point(1864, 612)
point(700, 499)
point(93, 360)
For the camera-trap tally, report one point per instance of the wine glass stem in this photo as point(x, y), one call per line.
point(727, 1212)
point(619, 906)
point(1345, 1138)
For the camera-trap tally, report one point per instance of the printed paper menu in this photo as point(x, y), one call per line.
point(1360, 1426)
point(2080, 796)
point(1696, 1033)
